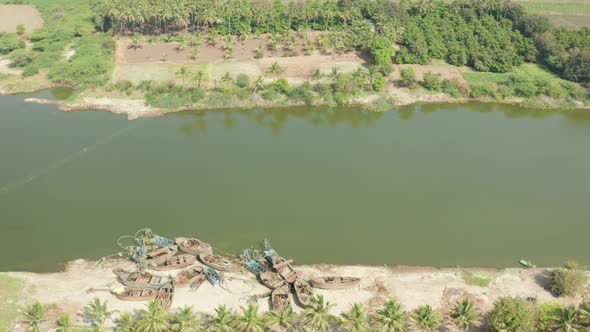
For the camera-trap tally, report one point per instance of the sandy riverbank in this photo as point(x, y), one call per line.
point(412, 286)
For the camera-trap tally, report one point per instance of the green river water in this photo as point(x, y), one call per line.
point(440, 185)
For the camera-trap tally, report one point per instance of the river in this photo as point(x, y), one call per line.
point(440, 185)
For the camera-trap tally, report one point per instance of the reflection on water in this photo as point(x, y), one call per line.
point(276, 119)
point(61, 93)
point(437, 184)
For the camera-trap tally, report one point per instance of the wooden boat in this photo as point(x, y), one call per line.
point(335, 282)
point(219, 262)
point(165, 295)
point(271, 280)
point(189, 276)
point(193, 246)
point(173, 263)
point(303, 292)
point(135, 294)
point(284, 269)
point(280, 298)
point(162, 253)
point(528, 264)
point(140, 279)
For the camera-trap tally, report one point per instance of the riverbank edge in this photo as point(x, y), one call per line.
point(137, 109)
point(412, 286)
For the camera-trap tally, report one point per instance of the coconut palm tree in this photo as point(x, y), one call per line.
point(281, 320)
point(97, 311)
point(182, 73)
point(64, 323)
point(565, 320)
point(317, 315)
point(36, 314)
point(259, 84)
point(154, 319)
point(222, 321)
point(125, 323)
point(250, 320)
point(316, 74)
point(391, 317)
point(355, 320)
point(426, 319)
point(465, 315)
point(584, 314)
point(186, 320)
point(200, 77)
point(275, 68)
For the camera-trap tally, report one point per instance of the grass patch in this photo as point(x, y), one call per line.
point(479, 280)
point(557, 7)
point(531, 70)
point(10, 289)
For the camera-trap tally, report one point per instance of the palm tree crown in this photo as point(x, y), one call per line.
point(154, 319)
point(465, 315)
point(355, 320)
point(391, 317)
point(317, 315)
point(250, 320)
point(284, 320)
point(426, 319)
point(222, 321)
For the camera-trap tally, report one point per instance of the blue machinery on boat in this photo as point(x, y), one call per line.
point(213, 276)
point(143, 238)
point(269, 252)
point(251, 263)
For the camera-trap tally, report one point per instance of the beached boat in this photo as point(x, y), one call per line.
point(162, 253)
point(303, 292)
point(193, 246)
point(173, 263)
point(189, 276)
point(527, 263)
point(280, 298)
point(219, 262)
point(135, 293)
point(335, 282)
point(271, 280)
point(165, 295)
point(284, 269)
point(140, 279)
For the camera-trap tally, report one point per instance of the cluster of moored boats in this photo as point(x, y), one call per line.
point(272, 270)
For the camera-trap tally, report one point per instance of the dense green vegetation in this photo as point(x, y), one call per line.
point(508, 314)
point(68, 27)
point(494, 37)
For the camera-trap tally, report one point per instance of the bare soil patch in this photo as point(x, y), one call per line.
point(13, 15)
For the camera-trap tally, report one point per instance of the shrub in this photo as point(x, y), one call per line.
point(432, 82)
point(20, 29)
point(512, 314)
point(10, 42)
point(451, 88)
point(408, 77)
point(302, 93)
point(382, 51)
point(281, 85)
point(568, 280)
point(21, 57)
point(31, 70)
point(483, 90)
point(378, 82)
point(243, 80)
point(546, 312)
